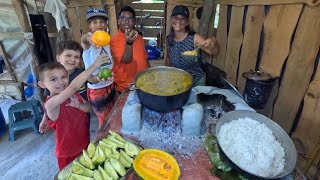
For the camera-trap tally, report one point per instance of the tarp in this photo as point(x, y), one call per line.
point(18, 50)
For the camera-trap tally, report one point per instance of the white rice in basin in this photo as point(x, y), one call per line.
point(252, 146)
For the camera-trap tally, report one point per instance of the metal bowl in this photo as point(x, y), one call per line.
point(278, 132)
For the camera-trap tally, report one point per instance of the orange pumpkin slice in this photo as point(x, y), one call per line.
point(153, 164)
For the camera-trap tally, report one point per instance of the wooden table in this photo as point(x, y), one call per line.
point(194, 167)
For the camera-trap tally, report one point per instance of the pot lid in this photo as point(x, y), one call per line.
point(257, 75)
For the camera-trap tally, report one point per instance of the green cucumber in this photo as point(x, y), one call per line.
point(131, 149)
point(105, 176)
point(124, 163)
point(85, 160)
point(118, 167)
point(91, 149)
point(85, 171)
point(97, 175)
point(110, 170)
point(126, 156)
point(119, 143)
point(117, 136)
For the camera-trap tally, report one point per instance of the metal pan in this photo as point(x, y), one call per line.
point(278, 132)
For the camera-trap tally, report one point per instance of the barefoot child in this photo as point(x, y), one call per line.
point(66, 110)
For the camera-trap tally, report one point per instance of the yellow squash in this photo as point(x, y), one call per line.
point(153, 164)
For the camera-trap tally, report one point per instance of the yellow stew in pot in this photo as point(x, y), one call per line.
point(164, 83)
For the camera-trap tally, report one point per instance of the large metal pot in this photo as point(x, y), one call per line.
point(278, 132)
point(163, 103)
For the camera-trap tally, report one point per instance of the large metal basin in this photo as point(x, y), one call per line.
point(279, 133)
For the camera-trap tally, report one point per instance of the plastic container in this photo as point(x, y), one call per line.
point(29, 91)
point(153, 52)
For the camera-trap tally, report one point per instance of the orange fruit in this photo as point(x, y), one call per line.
point(105, 73)
point(101, 38)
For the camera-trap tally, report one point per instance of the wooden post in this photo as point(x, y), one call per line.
point(222, 37)
point(206, 18)
point(112, 14)
point(6, 61)
point(8, 65)
point(22, 15)
point(206, 24)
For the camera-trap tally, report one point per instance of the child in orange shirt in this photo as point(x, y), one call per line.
point(128, 50)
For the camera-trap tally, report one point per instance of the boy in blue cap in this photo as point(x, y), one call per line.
point(101, 95)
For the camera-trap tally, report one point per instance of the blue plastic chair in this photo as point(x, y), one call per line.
point(23, 115)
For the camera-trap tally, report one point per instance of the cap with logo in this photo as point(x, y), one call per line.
point(96, 12)
point(180, 10)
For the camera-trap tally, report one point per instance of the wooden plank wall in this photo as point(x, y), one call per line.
point(153, 26)
point(283, 39)
point(77, 9)
point(150, 28)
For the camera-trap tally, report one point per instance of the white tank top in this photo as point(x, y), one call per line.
point(89, 56)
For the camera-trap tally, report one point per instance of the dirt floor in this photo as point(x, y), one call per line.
point(31, 156)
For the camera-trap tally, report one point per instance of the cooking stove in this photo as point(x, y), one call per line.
point(165, 131)
point(168, 122)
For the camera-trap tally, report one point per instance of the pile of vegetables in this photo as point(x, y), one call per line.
point(110, 158)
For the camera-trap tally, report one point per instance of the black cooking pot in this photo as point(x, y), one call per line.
point(258, 88)
point(163, 103)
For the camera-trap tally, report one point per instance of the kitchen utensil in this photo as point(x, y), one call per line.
point(191, 53)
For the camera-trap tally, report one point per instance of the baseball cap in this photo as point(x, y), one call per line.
point(180, 10)
point(96, 12)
